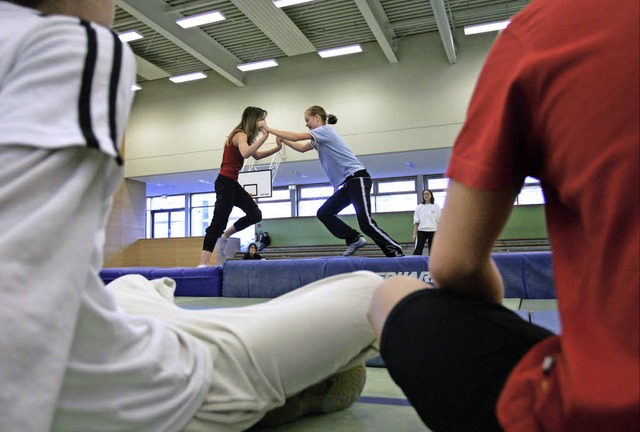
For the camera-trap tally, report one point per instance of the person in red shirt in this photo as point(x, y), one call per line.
point(243, 142)
point(557, 99)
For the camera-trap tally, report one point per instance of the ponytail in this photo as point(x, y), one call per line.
point(324, 115)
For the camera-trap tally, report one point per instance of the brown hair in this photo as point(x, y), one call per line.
point(431, 201)
point(248, 123)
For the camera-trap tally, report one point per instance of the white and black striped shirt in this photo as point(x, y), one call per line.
point(63, 82)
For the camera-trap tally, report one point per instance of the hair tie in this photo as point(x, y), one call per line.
point(328, 113)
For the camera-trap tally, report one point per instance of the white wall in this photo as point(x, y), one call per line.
point(418, 103)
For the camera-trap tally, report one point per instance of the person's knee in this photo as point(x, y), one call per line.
point(255, 215)
point(211, 235)
point(324, 214)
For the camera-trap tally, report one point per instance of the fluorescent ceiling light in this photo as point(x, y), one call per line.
point(351, 49)
point(200, 19)
point(136, 87)
point(488, 27)
point(257, 65)
point(130, 36)
point(187, 77)
point(285, 3)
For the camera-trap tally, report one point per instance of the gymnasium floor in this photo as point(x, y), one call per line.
point(382, 406)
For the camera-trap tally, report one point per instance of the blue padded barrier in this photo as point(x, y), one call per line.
point(524, 274)
point(538, 276)
point(549, 319)
point(195, 282)
point(272, 278)
point(511, 268)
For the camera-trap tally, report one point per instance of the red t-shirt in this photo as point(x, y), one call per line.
point(232, 160)
point(558, 100)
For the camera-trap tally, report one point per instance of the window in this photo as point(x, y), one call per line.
point(167, 223)
point(165, 216)
point(395, 195)
point(190, 214)
point(312, 197)
point(202, 208)
point(277, 206)
point(166, 202)
point(201, 212)
point(315, 192)
point(438, 186)
point(531, 193)
point(396, 186)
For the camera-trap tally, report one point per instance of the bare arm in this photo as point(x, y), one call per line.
point(290, 138)
point(301, 147)
point(415, 231)
point(261, 153)
point(461, 254)
point(247, 150)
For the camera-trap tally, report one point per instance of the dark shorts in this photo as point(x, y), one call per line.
point(451, 354)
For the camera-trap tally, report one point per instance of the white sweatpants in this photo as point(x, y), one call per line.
point(71, 360)
point(264, 353)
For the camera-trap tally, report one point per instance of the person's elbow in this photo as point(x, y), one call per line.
point(305, 147)
point(470, 273)
point(452, 270)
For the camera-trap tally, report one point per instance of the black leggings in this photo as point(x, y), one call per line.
point(423, 237)
point(229, 193)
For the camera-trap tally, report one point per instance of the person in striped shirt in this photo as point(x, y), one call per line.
point(76, 355)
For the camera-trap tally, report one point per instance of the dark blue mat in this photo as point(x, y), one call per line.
point(526, 275)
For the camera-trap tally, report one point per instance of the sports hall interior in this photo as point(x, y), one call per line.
point(399, 105)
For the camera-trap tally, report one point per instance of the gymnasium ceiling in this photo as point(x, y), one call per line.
point(256, 30)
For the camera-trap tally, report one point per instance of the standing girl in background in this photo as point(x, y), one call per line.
point(244, 141)
point(349, 178)
point(425, 222)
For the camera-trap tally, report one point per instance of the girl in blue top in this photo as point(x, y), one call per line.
point(351, 181)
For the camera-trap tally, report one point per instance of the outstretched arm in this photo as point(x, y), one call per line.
point(261, 153)
point(297, 146)
point(247, 150)
point(291, 139)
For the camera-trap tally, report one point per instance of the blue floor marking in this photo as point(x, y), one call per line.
point(383, 400)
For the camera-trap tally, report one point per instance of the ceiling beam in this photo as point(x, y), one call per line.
point(194, 41)
point(276, 25)
point(442, 20)
point(378, 22)
point(148, 70)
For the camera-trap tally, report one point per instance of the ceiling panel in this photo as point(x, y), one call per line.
point(325, 23)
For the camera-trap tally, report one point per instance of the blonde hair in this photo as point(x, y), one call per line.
point(325, 116)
